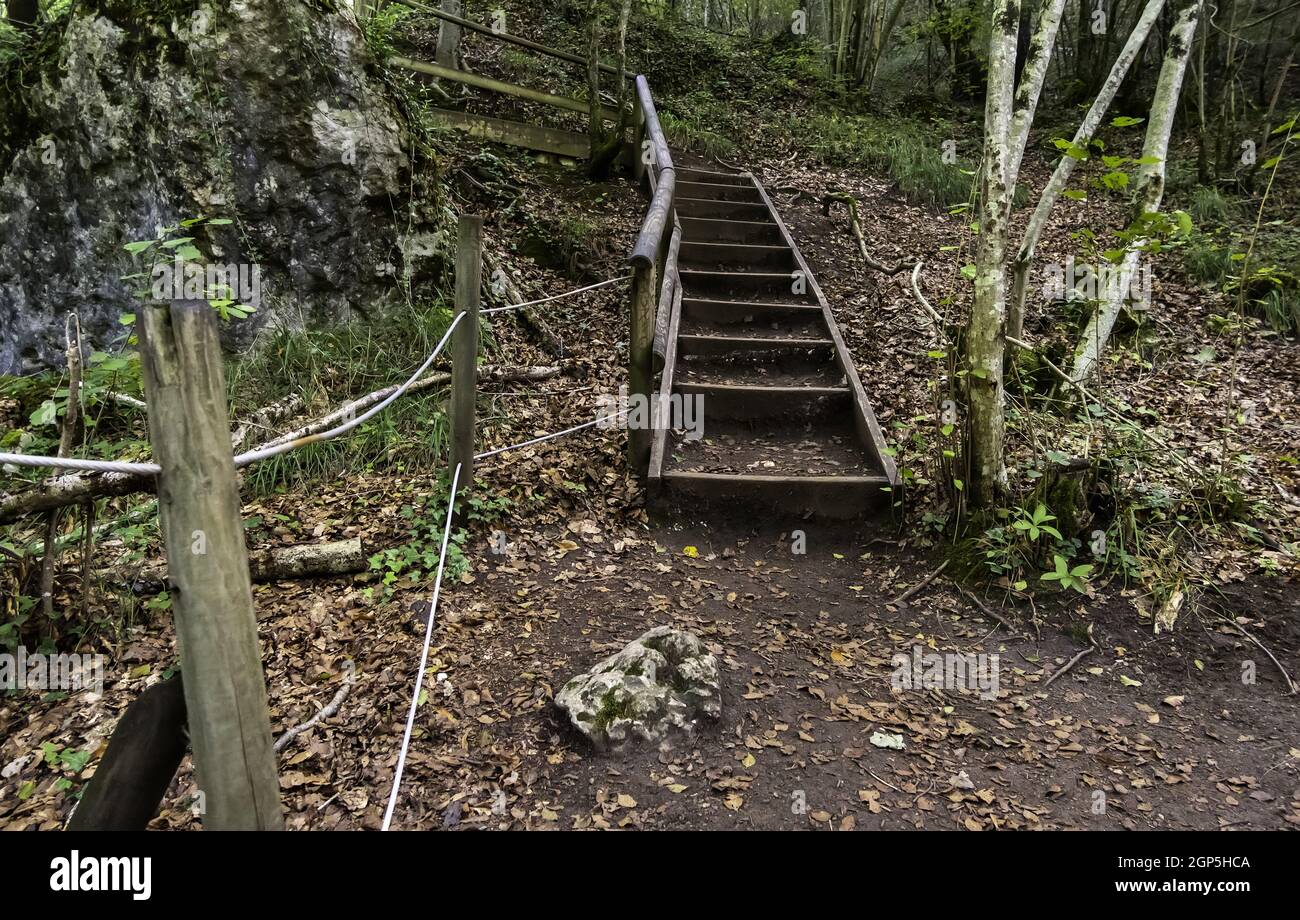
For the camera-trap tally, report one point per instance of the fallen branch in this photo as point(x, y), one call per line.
point(279, 563)
point(936, 321)
point(1285, 676)
point(1073, 661)
point(264, 418)
point(486, 374)
point(496, 274)
point(912, 591)
point(986, 609)
point(349, 677)
point(855, 225)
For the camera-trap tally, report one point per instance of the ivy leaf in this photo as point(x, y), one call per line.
point(45, 414)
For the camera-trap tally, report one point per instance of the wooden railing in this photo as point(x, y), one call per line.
point(654, 257)
point(656, 287)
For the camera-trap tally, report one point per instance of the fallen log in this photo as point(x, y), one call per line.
point(279, 563)
point(308, 560)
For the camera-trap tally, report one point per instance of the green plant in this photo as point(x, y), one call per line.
point(1209, 206)
point(1036, 523)
point(329, 365)
point(922, 158)
point(1076, 578)
point(173, 254)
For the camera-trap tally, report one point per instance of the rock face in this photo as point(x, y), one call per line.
point(660, 683)
point(257, 111)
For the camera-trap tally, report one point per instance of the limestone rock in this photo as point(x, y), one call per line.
point(660, 683)
point(263, 112)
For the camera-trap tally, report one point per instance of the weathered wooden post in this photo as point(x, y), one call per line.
point(464, 347)
point(212, 598)
point(640, 374)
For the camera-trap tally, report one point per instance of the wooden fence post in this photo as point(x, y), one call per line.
point(464, 347)
point(640, 374)
point(212, 598)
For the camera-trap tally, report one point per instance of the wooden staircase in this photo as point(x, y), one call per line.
point(786, 423)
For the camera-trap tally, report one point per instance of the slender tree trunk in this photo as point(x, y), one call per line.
point(984, 335)
point(1061, 177)
point(606, 145)
point(449, 36)
point(878, 53)
point(67, 436)
point(1030, 86)
point(1150, 187)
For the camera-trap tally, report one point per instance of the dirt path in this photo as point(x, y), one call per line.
point(806, 644)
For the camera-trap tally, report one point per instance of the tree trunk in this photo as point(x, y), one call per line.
point(606, 146)
point(1061, 177)
point(1150, 188)
point(1030, 81)
point(449, 36)
point(984, 335)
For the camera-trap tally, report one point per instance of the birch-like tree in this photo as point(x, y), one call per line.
point(1149, 189)
point(1037, 58)
point(984, 333)
point(1065, 168)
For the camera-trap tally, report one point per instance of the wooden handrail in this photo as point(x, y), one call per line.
point(650, 241)
point(653, 296)
point(500, 86)
point(504, 36)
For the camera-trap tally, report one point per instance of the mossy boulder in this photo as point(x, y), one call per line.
point(660, 684)
point(266, 113)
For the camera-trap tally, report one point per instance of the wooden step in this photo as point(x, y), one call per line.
point(691, 174)
point(722, 401)
point(731, 256)
point(837, 497)
point(716, 191)
point(773, 287)
point(709, 230)
point(727, 344)
point(722, 210)
point(703, 310)
point(771, 370)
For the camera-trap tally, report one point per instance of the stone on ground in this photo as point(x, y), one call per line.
point(659, 684)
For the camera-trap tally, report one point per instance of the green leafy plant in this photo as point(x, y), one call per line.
point(172, 247)
point(1076, 578)
point(1036, 523)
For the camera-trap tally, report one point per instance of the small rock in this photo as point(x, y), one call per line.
point(662, 682)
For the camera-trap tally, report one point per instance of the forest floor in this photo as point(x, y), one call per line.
point(1163, 725)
